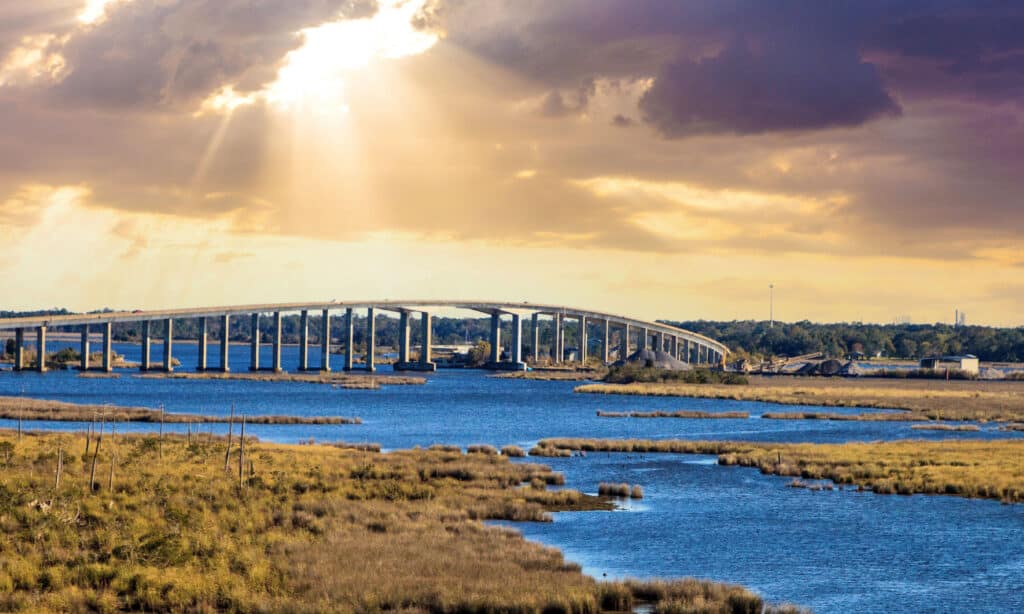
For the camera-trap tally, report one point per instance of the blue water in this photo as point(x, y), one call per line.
point(833, 551)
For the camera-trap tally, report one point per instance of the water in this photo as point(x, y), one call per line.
point(833, 551)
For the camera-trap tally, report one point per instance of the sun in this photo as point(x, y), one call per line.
point(315, 73)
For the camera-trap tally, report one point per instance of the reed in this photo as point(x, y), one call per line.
point(480, 448)
point(176, 534)
point(965, 468)
point(688, 414)
point(921, 400)
point(606, 489)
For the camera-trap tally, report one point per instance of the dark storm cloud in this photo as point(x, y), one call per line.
point(747, 67)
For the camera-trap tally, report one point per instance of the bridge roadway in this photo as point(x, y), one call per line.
point(682, 344)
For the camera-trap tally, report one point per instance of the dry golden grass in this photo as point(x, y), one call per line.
point(174, 527)
point(556, 375)
point(13, 408)
point(973, 469)
point(722, 415)
point(999, 401)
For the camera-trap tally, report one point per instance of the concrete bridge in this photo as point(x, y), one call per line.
point(632, 333)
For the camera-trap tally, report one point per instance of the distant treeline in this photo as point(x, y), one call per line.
point(839, 340)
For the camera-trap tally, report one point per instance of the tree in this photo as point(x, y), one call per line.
point(479, 354)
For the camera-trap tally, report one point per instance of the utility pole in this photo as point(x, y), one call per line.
point(771, 305)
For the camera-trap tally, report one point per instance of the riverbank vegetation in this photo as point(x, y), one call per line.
point(21, 408)
point(964, 468)
point(139, 523)
point(630, 373)
point(922, 400)
point(674, 414)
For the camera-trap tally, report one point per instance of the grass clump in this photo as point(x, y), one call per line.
point(481, 448)
point(630, 373)
point(922, 400)
point(512, 451)
point(689, 414)
point(307, 528)
point(964, 468)
point(946, 427)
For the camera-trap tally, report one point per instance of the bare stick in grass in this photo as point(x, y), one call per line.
point(60, 467)
point(241, 454)
point(231, 424)
point(88, 435)
point(110, 480)
point(95, 453)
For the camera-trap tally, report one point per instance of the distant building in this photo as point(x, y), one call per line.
point(967, 364)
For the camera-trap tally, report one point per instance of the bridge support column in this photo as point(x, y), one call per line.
point(204, 333)
point(583, 340)
point(427, 333)
point(225, 343)
point(169, 345)
point(660, 341)
point(556, 339)
point(350, 336)
point(624, 343)
point(685, 354)
point(404, 337)
point(276, 345)
point(147, 345)
point(41, 349)
point(304, 340)
point(371, 341)
point(517, 343)
point(606, 338)
point(254, 344)
point(495, 338)
point(85, 348)
point(19, 349)
point(673, 346)
point(534, 337)
point(325, 340)
point(108, 347)
point(642, 338)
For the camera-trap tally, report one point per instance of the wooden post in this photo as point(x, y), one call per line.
point(88, 436)
point(110, 480)
point(241, 454)
point(60, 467)
point(160, 441)
point(95, 453)
point(231, 424)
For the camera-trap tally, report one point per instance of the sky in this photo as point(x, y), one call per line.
point(662, 159)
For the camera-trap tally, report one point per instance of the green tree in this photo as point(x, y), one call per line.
point(479, 354)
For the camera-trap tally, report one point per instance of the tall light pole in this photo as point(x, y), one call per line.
point(771, 305)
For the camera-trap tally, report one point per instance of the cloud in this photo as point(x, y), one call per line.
point(778, 88)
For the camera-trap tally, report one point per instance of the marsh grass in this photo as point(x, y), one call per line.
point(512, 451)
point(630, 373)
point(690, 414)
point(310, 529)
point(343, 380)
point(13, 408)
point(973, 469)
point(946, 427)
point(922, 400)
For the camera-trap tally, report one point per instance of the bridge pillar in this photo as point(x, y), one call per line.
point(583, 340)
point(606, 338)
point(672, 349)
point(350, 336)
point(660, 340)
point(495, 338)
point(41, 349)
point(204, 332)
point(304, 340)
point(404, 337)
point(325, 340)
point(85, 348)
point(147, 344)
point(276, 343)
point(642, 339)
point(108, 346)
point(19, 349)
point(624, 343)
point(427, 333)
point(535, 337)
point(517, 342)
point(371, 341)
point(556, 339)
point(169, 345)
point(225, 342)
point(685, 354)
point(254, 344)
